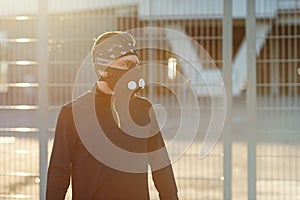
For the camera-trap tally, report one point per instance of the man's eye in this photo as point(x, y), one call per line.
point(129, 65)
point(126, 66)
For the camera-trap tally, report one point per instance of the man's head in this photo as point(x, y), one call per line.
point(113, 54)
point(113, 49)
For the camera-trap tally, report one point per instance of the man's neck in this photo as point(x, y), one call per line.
point(103, 87)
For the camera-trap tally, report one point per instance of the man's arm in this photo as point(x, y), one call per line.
point(162, 172)
point(59, 170)
point(165, 184)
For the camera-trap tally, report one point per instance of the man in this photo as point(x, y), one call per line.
point(113, 57)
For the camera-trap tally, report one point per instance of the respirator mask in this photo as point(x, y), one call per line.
point(124, 82)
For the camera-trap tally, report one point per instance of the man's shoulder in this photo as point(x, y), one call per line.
point(78, 101)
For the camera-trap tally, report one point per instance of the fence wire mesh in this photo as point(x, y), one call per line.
point(73, 26)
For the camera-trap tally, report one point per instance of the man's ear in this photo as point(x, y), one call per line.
point(102, 73)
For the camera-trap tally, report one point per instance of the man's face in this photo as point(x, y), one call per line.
point(120, 67)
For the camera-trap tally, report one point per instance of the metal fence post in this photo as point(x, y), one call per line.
point(251, 97)
point(227, 74)
point(42, 93)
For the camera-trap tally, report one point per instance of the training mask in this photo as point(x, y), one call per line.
point(130, 80)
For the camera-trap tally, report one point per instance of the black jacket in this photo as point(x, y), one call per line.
point(92, 179)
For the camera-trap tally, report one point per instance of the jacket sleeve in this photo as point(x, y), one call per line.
point(162, 172)
point(59, 170)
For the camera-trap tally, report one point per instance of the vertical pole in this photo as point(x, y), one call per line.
point(42, 93)
point(251, 97)
point(227, 77)
point(150, 54)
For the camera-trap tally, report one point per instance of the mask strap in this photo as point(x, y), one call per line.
point(116, 113)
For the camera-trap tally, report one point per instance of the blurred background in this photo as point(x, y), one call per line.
point(254, 44)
